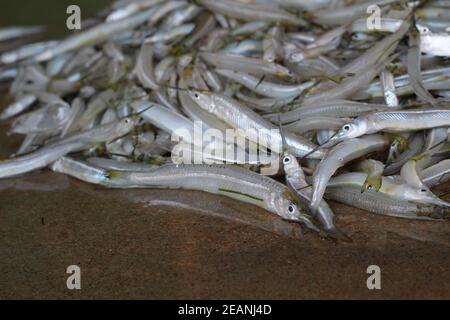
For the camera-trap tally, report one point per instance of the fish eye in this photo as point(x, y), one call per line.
point(423, 190)
point(287, 160)
point(127, 121)
point(291, 208)
point(196, 96)
point(347, 127)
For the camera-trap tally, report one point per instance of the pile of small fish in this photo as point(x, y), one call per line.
point(360, 107)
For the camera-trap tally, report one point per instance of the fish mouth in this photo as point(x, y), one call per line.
point(337, 235)
point(441, 203)
point(309, 222)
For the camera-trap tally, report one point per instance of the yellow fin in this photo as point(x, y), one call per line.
point(113, 174)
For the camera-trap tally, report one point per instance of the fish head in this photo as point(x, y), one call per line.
point(126, 125)
point(354, 129)
point(286, 205)
point(289, 210)
point(360, 37)
point(270, 58)
point(423, 30)
point(429, 197)
point(286, 75)
point(350, 130)
point(203, 99)
point(297, 57)
point(422, 194)
point(290, 163)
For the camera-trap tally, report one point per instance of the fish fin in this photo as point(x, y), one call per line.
point(371, 183)
point(112, 174)
point(418, 157)
point(401, 141)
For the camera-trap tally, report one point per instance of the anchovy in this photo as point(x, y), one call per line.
point(233, 182)
point(257, 128)
point(77, 142)
point(394, 121)
point(296, 181)
point(376, 202)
